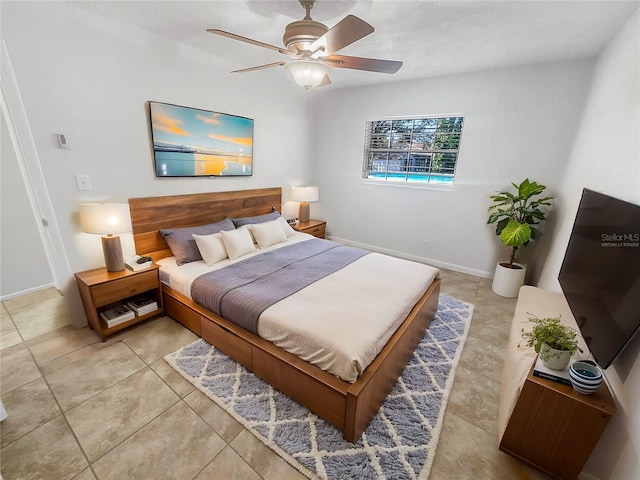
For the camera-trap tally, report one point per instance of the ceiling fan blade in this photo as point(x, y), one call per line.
point(250, 41)
point(260, 67)
point(343, 33)
point(361, 63)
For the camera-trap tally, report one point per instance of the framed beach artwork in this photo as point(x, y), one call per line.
point(190, 142)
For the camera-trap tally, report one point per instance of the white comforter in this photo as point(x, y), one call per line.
point(339, 323)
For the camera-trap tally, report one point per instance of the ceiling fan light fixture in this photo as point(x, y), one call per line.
point(313, 46)
point(307, 72)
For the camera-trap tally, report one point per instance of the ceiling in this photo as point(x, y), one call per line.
point(432, 37)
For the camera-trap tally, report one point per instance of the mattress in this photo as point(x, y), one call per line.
point(339, 323)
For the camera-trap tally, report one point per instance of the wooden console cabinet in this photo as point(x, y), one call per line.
point(554, 428)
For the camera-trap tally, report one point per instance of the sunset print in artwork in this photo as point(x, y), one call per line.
point(188, 142)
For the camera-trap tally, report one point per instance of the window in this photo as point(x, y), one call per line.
point(421, 150)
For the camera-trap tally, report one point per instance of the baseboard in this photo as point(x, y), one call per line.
point(9, 296)
point(429, 261)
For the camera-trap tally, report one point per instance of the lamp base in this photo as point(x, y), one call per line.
point(303, 212)
point(113, 259)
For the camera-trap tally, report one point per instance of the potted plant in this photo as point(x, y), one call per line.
point(516, 216)
point(555, 342)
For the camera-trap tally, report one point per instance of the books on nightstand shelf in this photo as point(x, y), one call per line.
point(560, 376)
point(142, 306)
point(117, 315)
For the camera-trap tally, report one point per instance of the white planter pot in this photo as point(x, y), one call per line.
point(507, 281)
point(554, 359)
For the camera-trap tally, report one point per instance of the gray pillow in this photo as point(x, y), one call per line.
point(182, 244)
point(257, 219)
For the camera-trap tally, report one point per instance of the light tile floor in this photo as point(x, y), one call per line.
point(83, 409)
point(29, 316)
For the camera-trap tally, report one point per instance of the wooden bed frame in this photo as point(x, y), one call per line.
point(348, 406)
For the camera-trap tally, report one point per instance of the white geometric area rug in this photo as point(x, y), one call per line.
point(399, 443)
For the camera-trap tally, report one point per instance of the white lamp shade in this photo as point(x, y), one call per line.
point(105, 218)
point(308, 73)
point(304, 194)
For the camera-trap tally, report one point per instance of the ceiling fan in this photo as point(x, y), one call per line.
point(312, 46)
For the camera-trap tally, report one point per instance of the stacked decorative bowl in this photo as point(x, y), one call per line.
point(585, 376)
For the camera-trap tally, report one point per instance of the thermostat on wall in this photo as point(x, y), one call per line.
point(63, 141)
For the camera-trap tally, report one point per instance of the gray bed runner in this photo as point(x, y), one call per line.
point(242, 291)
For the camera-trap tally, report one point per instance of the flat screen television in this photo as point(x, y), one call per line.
point(190, 142)
point(600, 274)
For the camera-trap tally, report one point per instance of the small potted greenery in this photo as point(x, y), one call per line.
point(516, 216)
point(555, 342)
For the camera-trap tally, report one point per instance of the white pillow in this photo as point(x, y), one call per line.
point(237, 242)
point(247, 227)
point(268, 233)
point(289, 232)
point(211, 247)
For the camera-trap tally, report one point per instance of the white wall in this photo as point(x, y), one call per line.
point(90, 78)
point(519, 122)
point(606, 158)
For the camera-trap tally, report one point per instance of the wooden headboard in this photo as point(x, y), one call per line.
point(150, 214)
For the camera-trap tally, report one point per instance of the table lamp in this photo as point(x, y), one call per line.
point(304, 195)
point(107, 219)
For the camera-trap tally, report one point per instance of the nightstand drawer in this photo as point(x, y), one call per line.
point(116, 290)
point(317, 228)
point(317, 231)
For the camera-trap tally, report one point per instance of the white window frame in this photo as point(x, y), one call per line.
point(413, 152)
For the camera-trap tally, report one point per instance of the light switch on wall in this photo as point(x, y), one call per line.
point(82, 182)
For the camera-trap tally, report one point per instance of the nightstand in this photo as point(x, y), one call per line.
point(101, 290)
point(317, 228)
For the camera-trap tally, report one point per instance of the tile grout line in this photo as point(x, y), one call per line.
point(179, 400)
point(476, 298)
point(60, 414)
point(494, 435)
point(146, 366)
point(14, 326)
point(63, 413)
point(227, 444)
